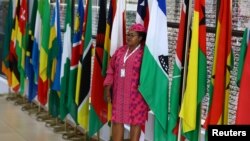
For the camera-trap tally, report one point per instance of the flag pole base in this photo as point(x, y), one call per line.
point(27, 106)
point(40, 111)
point(12, 96)
point(60, 129)
point(21, 100)
point(54, 123)
point(51, 123)
point(44, 117)
point(74, 134)
point(33, 109)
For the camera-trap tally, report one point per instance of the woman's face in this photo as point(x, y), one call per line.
point(133, 39)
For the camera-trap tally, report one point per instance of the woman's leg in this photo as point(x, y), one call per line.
point(117, 132)
point(135, 132)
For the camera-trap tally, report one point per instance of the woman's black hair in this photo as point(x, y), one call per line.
point(143, 35)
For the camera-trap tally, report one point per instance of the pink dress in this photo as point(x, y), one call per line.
point(128, 105)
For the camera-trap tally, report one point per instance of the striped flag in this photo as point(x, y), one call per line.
point(242, 112)
point(142, 14)
point(37, 41)
point(176, 86)
point(76, 54)
point(219, 93)
point(43, 57)
point(106, 53)
point(65, 63)
point(85, 73)
point(196, 77)
point(109, 25)
point(98, 107)
point(155, 68)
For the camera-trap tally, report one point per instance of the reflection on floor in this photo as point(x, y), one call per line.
point(19, 124)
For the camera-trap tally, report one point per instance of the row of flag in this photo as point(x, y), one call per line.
point(61, 74)
point(70, 73)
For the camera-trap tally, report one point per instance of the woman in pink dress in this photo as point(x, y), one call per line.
point(128, 105)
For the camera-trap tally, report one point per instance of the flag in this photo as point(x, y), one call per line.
point(142, 14)
point(106, 53)
point(6, 47)
point(109, 25)
point(85, 69)
point(76, 53)
point(118, 28)
point(9, 63)
point(155, 68)
point(242, 112)
point(65, 63)
point(44, 51)
point(56, 84)
point(55, 53)
point(196, 85)
point(142, 17)
point(37, 41)
point(220, 74)
point(98, 107)
point(32, 88)
point(15, 74)
point(242, 56)
point(176, 87)
point(22, 41)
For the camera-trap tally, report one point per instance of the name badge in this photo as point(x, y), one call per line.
point(122, 72)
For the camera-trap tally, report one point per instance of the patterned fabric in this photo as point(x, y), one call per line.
point(128, 105)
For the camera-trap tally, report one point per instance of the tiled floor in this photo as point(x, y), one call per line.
point(18, 125)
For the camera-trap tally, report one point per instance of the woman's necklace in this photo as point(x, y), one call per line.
point(126, 56)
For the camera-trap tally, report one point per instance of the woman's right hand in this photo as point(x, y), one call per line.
point(107, 95)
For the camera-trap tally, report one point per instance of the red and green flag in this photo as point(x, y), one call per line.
point(219, 87)
point(242, 112)
point(98, 107)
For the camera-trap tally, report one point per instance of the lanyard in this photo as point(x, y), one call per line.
point(127, 56)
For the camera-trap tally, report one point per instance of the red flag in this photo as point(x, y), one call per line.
point(221, 64)
point(98, 110)
point(242, 114)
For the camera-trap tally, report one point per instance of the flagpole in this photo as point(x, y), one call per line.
point(188, 37)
